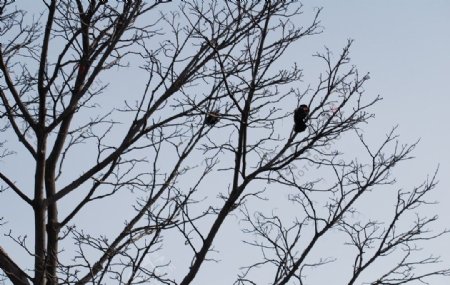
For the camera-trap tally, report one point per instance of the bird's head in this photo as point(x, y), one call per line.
point(304, 108)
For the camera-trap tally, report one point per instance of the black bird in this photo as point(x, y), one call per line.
point(299, 118)
point(212, 118)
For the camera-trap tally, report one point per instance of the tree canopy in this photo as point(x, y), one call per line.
point(166, 122)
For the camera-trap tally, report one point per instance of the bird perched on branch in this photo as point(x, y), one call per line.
point(212, 118)
point(299, 118)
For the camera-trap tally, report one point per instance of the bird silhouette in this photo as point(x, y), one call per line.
point(300, 115)
point(212, 118)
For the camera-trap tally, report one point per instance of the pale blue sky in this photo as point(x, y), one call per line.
point(405, 45)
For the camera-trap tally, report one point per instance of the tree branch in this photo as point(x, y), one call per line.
point(12, 270)
point(16, 189)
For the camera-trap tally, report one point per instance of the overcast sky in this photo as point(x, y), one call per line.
point(405, 45)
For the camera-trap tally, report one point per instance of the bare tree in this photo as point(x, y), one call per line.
point(213, 108)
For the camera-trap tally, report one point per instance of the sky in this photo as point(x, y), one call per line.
point(405, 45)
